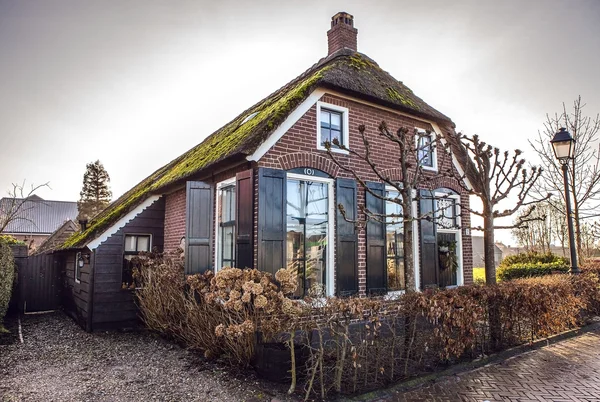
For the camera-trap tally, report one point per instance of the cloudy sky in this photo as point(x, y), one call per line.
point(136, 83)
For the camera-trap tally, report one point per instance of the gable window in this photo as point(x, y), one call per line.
point(332, 126)
point(426, 152)
point(226, 202)
point(394, 236)
point(134, 245)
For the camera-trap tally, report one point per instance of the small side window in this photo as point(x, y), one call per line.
point(426, 151)
point(134, 245)
point(332, 127)
point(78, 266)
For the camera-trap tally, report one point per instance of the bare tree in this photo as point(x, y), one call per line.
point(584, 169)
point(413, 148)
point(20, 200)
point(496, 178)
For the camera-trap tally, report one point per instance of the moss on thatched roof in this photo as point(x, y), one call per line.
point(345, 70)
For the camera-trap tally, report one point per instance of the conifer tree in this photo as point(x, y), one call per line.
point(95, 193)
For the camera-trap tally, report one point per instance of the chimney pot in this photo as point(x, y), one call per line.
point(342, 33)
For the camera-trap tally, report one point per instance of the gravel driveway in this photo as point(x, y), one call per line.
point(58, 361)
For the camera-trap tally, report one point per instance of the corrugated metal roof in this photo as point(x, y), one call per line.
point(39, 216)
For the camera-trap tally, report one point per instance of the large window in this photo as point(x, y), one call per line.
point(394, 243)
point(332, 126)
point(307, 233)
point(426, 151)
point(134, 245)
point(226, 225)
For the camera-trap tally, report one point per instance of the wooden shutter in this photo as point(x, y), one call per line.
point(429, 254)
point(244, 222)
point(347, 240)
point(271, 219)
point(376, 253)
point(199, 227)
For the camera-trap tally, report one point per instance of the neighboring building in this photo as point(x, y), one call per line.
point(262, 192)
point(38, 218)
point(479, 255)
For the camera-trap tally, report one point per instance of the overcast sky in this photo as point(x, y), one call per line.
point(137, 83)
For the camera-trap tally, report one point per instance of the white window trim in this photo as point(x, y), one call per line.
point(434, 154)
point(460, 279)
point(77, 256)
point(345, 126)
point(330, 272)
point(220, 185)
point(137, 234)
point(395, 294)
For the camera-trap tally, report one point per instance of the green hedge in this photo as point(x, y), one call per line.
point(528, 270)
point(7, 272)
point(8, 239)
point(533, 258)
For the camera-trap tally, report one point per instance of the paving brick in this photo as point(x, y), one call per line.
point(566, 371)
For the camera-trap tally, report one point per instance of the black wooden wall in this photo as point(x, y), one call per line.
point(114, 307)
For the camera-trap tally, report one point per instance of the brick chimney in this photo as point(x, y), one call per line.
point(342, 33)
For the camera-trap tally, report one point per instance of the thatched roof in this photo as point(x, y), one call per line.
point(345, 71)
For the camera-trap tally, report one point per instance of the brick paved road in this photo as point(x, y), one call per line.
point(566, 371)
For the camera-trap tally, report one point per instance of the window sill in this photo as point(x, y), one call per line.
point(430, 168)
point(335, 150)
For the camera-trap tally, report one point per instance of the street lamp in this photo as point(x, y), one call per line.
point(564, 149)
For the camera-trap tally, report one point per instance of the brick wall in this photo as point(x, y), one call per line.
point(297, 148)
point(174, 219)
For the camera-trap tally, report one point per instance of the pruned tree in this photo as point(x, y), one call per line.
point(21, 199)
point(584, 168)
point(95, 193)
point(498, 179)
point(550, 228)
point(412, 147)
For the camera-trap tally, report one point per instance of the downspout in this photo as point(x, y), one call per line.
point(88, 325)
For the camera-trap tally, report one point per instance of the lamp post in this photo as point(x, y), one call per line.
point(564, 149)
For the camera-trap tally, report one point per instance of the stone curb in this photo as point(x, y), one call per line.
point(472, 365)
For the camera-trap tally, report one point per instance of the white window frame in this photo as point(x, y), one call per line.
point(78, 255)
point(460, 279)
point(330, 272)
point(395, 294)
point(434, 154)
point(220, 185)
point(345, 126)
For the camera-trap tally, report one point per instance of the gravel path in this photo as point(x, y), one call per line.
point(61, 362)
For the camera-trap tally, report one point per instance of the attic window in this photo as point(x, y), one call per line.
point(332, 127)
point(249, 117)
point(426, 150)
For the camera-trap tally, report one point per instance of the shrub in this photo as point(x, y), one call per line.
point(7, 271)
point(10, 240)
point(528, 270)
point(349, 345)
point(532, 257)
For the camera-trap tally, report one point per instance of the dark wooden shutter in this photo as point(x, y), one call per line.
point(429, 254)
point(244, 222)
point(271, 219)
point(199, 227)
point(376, 256)
point(347, 241)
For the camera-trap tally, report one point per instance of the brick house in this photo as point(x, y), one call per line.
point(262, 192)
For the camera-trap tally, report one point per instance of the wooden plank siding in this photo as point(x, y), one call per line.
point(76, 296)
point(114, 307)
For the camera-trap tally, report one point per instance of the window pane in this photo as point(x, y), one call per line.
point(130, 243)
point(336, 135)
point(325, 118)
point(228, 204)
point(394, 242)
point(227, 255)
point(307, 226)
point(393, 210)
point(325, 135)
point(425, 153)
point(143, 243)
point(336, 121)
point(446, 212)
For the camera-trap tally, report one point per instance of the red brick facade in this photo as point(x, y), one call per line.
point(297, 148)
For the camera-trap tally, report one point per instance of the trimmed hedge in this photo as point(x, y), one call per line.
point(10, 240)
point(530, 270)
point(533, 257)
point(7, 272)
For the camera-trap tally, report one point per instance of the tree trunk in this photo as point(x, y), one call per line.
point(409, 253)
point(488, 248)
